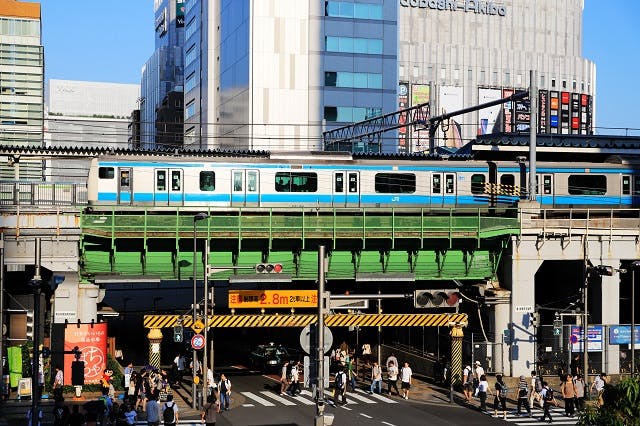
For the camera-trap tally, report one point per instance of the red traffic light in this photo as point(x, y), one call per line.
point(268, 268)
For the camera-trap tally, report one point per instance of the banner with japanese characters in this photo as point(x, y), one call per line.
point(91, 340)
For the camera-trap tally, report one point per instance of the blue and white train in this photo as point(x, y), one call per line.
point(332, 180)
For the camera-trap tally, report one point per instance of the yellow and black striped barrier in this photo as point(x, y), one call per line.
point(501, 189)
point(336, 320)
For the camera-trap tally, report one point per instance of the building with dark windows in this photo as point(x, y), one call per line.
point(454, 54)
point(163, 71)
point(169, 127)
point(265, 75)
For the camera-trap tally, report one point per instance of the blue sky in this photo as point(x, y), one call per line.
point(110, 41)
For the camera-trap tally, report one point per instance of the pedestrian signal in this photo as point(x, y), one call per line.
point(178, 335)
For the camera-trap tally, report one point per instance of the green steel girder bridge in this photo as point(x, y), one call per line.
point(431, 245)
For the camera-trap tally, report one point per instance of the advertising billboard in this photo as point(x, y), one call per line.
point(575, 113)
point(487, 117)
point(507, 112)
point(565, 115)
point(450, 99)
point(554, 112)
point(595, 339)
point(420, 94)
point(522, 114)
point(543, 111)
point(621, 335)
point(179, 13)
point(91, 340)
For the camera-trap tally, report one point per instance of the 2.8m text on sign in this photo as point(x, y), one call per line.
point(273, 299)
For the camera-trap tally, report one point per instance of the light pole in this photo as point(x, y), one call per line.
point(196, 218)
point(634, 265)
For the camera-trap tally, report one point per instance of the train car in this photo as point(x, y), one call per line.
point(331, 180)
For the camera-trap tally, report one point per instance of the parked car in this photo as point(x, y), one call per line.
point(271, 357)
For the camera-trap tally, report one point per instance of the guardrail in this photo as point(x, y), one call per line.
point(38, 193)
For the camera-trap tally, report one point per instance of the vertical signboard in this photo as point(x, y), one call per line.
point(91, 340)
point(403, 103)
point(565, 115)
point(554, 112)
point(487, 117)
point(522, 114)
point(179, 13)
point(585, 117)
point(543, 111)
point(450, 99)
point(575, 113)
point(420, 94)
point(507, 111)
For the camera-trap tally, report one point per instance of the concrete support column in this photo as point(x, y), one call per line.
point(456, 355)
point(501, 315)
point(610, 315)
point(155, 338)
point(520, 275)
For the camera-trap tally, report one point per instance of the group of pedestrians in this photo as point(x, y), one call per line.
point(394, 372)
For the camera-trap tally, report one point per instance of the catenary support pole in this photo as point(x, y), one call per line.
point(319, 419)
point(533, 123)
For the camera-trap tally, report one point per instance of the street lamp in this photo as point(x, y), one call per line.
point(634, 265)
point(196, 218)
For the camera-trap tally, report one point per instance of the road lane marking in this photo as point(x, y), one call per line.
point(258, 399)
point(387, 423)
point(305, 401)
point(360, 398)
point(381, 398)
point(277, 398)
point(366, 415)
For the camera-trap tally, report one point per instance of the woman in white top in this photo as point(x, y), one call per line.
point(483, 389)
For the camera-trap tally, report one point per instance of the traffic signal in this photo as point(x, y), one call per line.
point(268, 268)
point(534, 319)
point(557, 326)
point(436, 298)
point(178, 336)
point(30, 323)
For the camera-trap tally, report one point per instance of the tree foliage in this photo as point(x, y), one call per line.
point(621, 406)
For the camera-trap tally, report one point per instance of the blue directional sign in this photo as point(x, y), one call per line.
point(621, 335)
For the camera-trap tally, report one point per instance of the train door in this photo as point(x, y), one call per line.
point(125, 194)
point(176, 188)
point(161, 189)
point(544, 184)
point(245, 188)
point(353, 189)
point(626, 187)
point(437, 190)
point(339, 189)
point(450, 198)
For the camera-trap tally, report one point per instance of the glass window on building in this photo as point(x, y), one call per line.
point(190, 110)
point(190, 82)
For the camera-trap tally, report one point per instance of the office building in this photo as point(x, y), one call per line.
point(21, 84)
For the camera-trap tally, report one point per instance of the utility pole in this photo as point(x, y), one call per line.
point(36, 284)
point(321, 418)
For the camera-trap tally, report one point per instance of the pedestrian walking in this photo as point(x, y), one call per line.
point(209, 411)
point(548, 399)
point(128, 370)
point(376, 379)
point(340, 387)
point(351, 374)
point(500, 400)
point(467, 383)
point(60, 413)
point(536, 388)
point(392, 377)
point(391, 359)
point(568, 394)
point(130, 415)
point(170, 412)
point(481, 392)
point(294, 379)
point(579, 386)
point(598, 385)
point(153, 410)
point(477, 373)
point(406, 378)
point(224, 387)
point(523, 396)
point(58, 383)
point(212, 385)
point(284, 380)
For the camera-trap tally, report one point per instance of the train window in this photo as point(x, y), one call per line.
point(508, 180)
point(125, 178)
point(395, 183)
point(207, 181)
point(587, 184)
point(437, 184)
point(161, 180)
point(175, 180)
point(106, 173)
point(237, 181)
point(477, 183)
point(296, 182)
point(353, 183)
point(546, 185)
point(448, 184)
point(339, 182)
point(636, 185)
point(252, 181)
point(626, 185)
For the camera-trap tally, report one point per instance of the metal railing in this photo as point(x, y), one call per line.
point(38, 193)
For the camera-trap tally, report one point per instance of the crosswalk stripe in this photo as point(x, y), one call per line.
point(277, 398)
point(258, 399)
point(381, 398)
point(360, 397)
point(305, 401)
